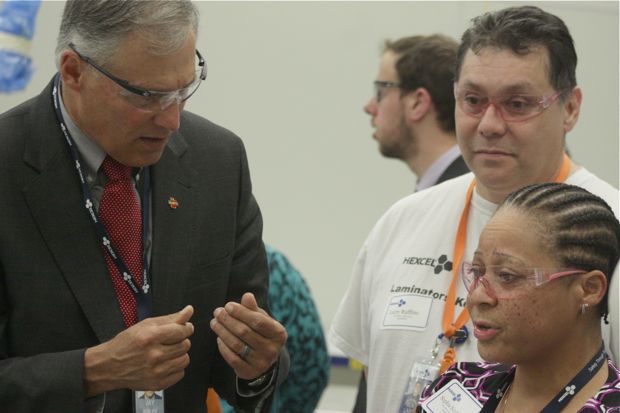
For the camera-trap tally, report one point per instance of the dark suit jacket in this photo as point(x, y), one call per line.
point(56, 297)
point(458, 167)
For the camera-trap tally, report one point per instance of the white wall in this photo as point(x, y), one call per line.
point(291, 79)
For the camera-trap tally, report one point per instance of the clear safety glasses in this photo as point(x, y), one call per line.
point(503, 282)
point(151, 100)
point(511, 108)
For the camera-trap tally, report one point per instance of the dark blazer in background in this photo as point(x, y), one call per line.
point(56, 296)
point(458, 167)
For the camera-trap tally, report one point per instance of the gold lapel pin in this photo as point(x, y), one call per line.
point(173, 203)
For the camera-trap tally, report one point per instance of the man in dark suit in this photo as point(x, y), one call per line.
point(123, 218)
point(413, 116)
point(412, 109)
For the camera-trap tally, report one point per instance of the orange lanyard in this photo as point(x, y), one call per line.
point(450, 327)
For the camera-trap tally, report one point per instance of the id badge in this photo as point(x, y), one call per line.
point(453, 397)
point(407, 312)
point(423, 372)
point(148, 401)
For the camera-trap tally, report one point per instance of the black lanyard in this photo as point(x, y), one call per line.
point(142, 294)
point(564, 396)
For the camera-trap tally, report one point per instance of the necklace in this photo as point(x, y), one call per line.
point(505, 398)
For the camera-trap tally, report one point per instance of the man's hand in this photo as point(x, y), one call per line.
point(150, 355)
point(238, 325)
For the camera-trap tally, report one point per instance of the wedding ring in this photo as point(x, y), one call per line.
point(245, 352)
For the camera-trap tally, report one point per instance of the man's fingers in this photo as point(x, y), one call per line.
point(242, 368)
point(248, 300)
point(233, 340)
point(238, 325)
point(173, 365)
point(247, 368)
point(258, 321)
point(184, 315)
point(172, 333)
point(235, 334)
point(173, 373)
point(229, 354)
point(172, 351)
point(168, 329)
point(180, 317)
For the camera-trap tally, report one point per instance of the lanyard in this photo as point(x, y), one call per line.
point(142, 295)
point(564, 395)
point(450, 327)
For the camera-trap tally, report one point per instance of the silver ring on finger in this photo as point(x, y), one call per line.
point(245, 352)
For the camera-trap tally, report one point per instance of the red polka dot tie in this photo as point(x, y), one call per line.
point(119, 211)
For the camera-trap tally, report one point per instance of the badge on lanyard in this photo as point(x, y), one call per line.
point(148, 401)
point(426, 369)
point(453, 397)
point(423, 372)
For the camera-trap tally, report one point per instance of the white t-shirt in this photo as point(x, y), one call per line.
point(391, 313)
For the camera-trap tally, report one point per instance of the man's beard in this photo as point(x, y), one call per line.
point(402, 146)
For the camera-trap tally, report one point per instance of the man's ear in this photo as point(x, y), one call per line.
point(417, 104)
point(572, 105)
point(71, 70)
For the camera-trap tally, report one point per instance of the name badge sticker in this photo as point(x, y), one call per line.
point(408, 311)
point(148, 401)
point(452, 398)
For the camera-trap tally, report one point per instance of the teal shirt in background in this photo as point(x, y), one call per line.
point(292, 305)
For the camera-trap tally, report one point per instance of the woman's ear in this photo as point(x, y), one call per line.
point(592, 286)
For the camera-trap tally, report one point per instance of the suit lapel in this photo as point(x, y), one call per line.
point(55, 201)
point(173, 212)
point(56, 193)
point(456, 168)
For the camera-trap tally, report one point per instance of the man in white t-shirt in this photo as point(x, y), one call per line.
point(517, 98)
point(412, 113)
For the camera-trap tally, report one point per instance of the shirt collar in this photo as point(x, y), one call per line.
point(90, 153)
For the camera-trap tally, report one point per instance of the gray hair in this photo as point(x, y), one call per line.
point(97, 27)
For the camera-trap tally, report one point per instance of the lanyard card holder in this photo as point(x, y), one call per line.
point(423, 372)
point(148, 401)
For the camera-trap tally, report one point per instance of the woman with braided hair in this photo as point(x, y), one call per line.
point(537, 288)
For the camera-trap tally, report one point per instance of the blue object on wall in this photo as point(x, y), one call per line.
point(17, 20)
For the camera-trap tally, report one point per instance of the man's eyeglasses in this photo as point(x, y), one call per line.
point(502, 282)
point(151, 100)
point(512, 108)
point(381, 86)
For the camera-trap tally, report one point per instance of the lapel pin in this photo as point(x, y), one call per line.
point(173, 203)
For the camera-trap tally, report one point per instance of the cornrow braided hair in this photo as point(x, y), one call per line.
point(582, 228)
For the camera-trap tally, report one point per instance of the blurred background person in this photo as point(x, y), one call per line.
point(412, 109)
